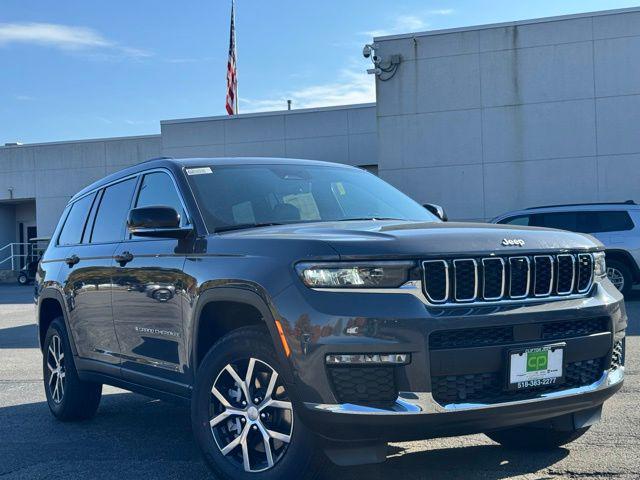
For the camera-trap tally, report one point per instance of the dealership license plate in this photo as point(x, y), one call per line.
point(536, 367)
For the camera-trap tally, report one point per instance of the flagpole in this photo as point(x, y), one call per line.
point(233, 9)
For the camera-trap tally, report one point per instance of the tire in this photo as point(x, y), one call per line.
point(531, 438)
point(298, 458)
point(617, 272)
point(68, 397)
point(22, 279)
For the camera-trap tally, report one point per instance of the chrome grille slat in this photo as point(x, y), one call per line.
point(506, 278)
point(538, 276)
point(585, 262)
point(432, 271)
point(465, 278)
point(516, 263)
point(562, 259)
point(486, 271)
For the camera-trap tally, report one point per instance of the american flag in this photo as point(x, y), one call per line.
point(232, 79)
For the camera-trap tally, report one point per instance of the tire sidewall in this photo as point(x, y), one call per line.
point(229, 350)
point(57, 328)
point(626, 273)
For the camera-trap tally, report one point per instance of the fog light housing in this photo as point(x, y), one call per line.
point(368, 359)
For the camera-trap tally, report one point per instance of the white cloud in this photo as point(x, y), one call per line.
point(24, 98)
point(441, 11)
point(64, 37)
point(352, 87)
point(401, 24)
point(408, 23)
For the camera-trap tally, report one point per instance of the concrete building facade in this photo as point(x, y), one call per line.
point(481, 120)
point(494, 118)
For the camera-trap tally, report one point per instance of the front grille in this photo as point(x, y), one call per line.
point(466, 280)
point(490, 388)
point(617, 358)
point(372, 386)
point(504, 334)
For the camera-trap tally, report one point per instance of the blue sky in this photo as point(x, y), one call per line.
point(74, 69)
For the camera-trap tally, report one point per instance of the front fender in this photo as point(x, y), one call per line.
point(240, 293)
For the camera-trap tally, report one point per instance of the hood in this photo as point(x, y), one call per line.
point(410, 239)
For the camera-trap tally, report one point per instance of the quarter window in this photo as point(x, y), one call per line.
point(111, 218)
point(74, 224)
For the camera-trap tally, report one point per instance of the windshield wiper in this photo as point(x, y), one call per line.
point(242, 226)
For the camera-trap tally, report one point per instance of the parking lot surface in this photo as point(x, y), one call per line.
point(134, 437)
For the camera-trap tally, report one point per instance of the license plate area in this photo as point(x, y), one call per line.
point(536, 367)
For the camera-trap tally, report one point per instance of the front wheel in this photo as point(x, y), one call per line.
point(531, 438)
point(242, 416)
point(22, 279)
point(68, 397)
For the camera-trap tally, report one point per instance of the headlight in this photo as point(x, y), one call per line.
point(351, 275)
point(599, 264)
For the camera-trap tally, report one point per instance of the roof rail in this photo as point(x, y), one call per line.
point(155, 158)
point(626, 202)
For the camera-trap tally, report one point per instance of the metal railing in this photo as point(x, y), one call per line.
point(14, 256)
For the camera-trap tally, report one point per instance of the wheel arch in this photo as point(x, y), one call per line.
point(626, 258)
point(50, 307)
point(212, 320)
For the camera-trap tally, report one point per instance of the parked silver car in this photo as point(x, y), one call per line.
point(616, 225)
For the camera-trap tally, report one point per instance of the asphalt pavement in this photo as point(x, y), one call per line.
point(135, 437)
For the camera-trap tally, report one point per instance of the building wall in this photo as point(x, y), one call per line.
point(52, 173)
point(336, 134)
point(489, 119)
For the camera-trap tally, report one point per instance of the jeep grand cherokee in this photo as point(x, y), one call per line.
point(308, 310)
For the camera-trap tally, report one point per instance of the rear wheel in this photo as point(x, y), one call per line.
point(22, 279)
point(68, 397)
point(242, 416)
point(531, 438)
point(620, 275)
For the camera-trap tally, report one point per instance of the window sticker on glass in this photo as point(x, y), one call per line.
point(340, 188)
point(199, 171)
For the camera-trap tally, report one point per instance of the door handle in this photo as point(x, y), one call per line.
point(72, 260)
point(124, 258)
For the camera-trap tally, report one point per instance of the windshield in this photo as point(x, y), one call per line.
point(244, 196)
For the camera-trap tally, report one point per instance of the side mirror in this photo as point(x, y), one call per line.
point(156, 221)
point(437, 210)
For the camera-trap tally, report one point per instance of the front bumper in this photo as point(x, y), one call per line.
point(382, 323)
point(417, 416)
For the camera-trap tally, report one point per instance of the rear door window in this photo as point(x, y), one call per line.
point(559, 220)
point(110, 222)
point(74, 225)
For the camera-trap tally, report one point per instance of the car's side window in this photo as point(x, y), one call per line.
point(602, 222)
point(559, 220)
point(519, 220)
point(110, 222)
point(157, 188)
point(74, 225)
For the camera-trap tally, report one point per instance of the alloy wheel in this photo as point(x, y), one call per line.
point(616, 277)
point(251, 415)
point(55, 364)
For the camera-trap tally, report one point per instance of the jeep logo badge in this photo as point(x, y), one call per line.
point(513, 242)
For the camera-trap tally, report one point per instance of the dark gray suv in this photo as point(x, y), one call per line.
point(309, 311)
